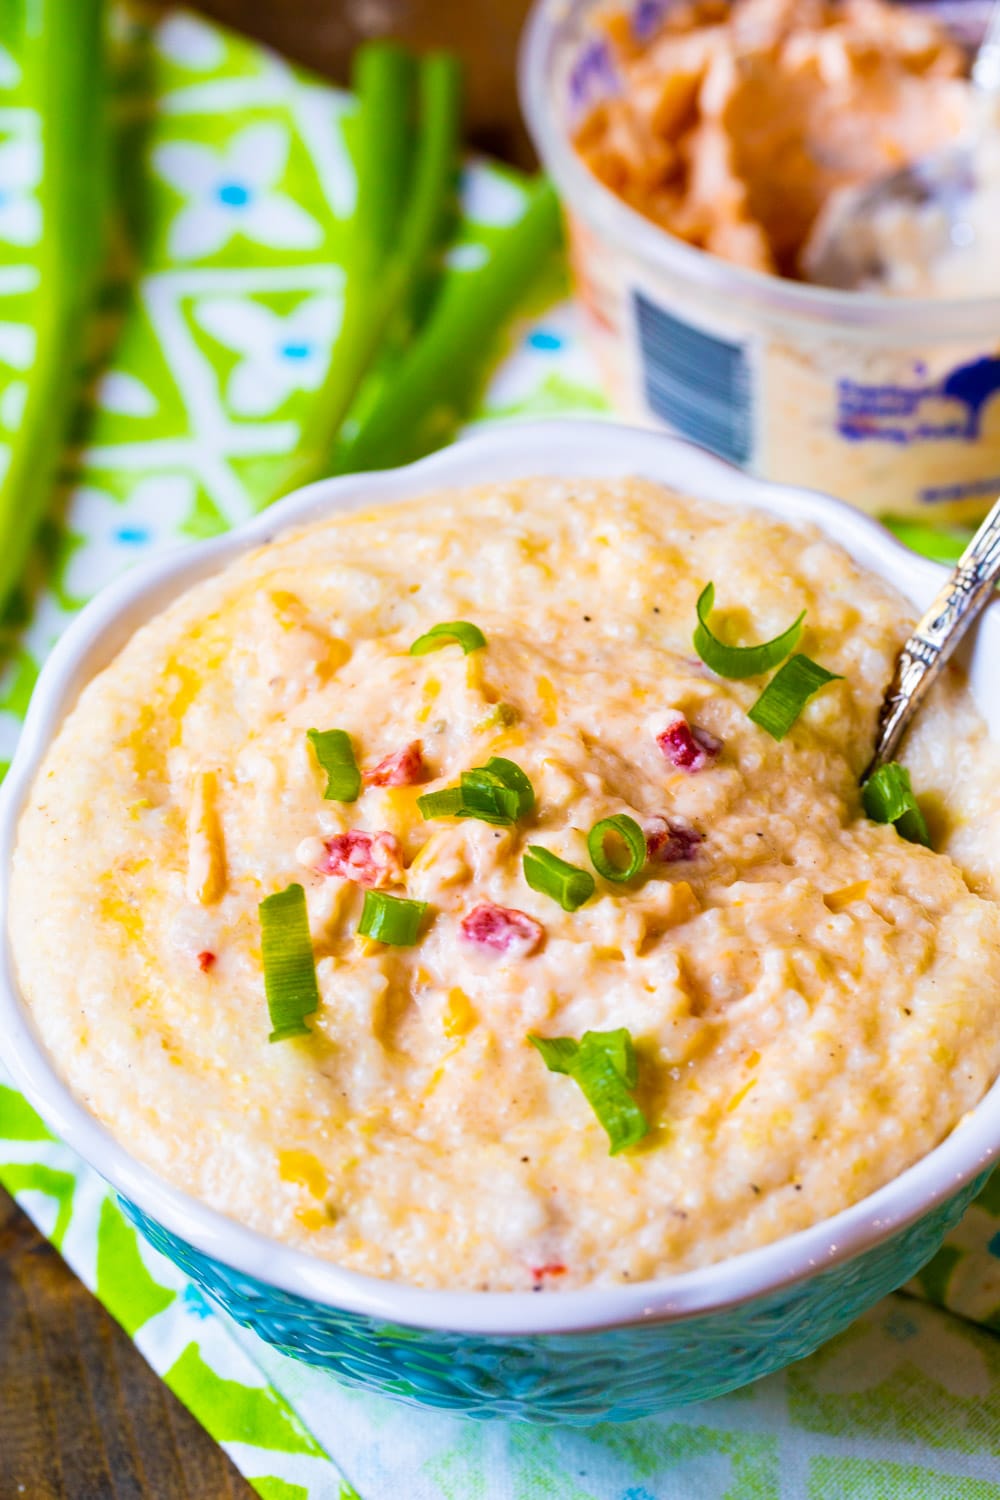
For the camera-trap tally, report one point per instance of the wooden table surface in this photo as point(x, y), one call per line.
point(82, 1416)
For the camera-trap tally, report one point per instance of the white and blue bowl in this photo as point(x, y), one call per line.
point(611, 1352)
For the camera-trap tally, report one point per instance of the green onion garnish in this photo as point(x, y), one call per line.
point(336, 756)
point(559, 1053)
point(485, 796)
point(565, 883)
point(391, 919)
point(289, 967)
point(448, 803)
point(603, 1064)
point(498, 793)
point(619, 829)
point(787, 694)
point(512, 776)
point(469, 637)
point(739, 661)
point(888, 798)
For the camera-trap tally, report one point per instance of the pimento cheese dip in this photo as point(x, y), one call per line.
point(810, 1001)
point(734, 125)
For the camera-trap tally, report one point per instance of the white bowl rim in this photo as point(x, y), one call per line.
point(566, 448)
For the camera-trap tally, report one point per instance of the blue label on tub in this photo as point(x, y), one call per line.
point(695, 381)
point(946, 410)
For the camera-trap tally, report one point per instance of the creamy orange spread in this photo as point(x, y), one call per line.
point(735, 124)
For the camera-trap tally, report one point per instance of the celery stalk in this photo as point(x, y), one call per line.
point(432, 389)
point(60, 48)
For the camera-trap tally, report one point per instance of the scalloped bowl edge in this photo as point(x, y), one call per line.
point(502, 451)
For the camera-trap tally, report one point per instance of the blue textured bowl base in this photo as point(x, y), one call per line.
point(603, 1375)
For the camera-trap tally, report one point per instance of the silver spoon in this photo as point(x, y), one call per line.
point(845, 249)
point(957, 605)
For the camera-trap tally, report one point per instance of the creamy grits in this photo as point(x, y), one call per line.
point(813, 1002)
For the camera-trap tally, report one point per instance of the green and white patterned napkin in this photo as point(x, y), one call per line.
point(216, 326)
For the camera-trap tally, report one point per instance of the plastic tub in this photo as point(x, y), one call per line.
point(891, 403)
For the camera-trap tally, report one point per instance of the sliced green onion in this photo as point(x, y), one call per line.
point(485, 796)
point(511, 775)
point(787, 694)
point(565, 883)
point(469, 637)
point(620, 1050)
point(391, 919)
point(740, 661)
point(558, 1052)
point(289, 966)
point(498, 793)
point(888, 798)
point(448, 803)
point(619, 828)
point(336, 756)
point(604, 1066)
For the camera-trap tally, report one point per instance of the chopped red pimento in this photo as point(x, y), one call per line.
point(205, 961)
point(369, 859)
point(671, 839)
point(554, 1268)
point(687, 746)
point(402, 768)
point(502, 929)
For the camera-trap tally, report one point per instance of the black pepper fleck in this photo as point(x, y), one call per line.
point(587, 618)
point(755, 1187)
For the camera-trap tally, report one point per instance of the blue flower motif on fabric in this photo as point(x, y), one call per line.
point(233, 194)
point(233, 190)
point(637, 1492)
point(277, 353)
point(545, 340)
point(106, 533)
point(20, 173)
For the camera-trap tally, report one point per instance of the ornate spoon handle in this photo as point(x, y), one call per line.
point(958, 603)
